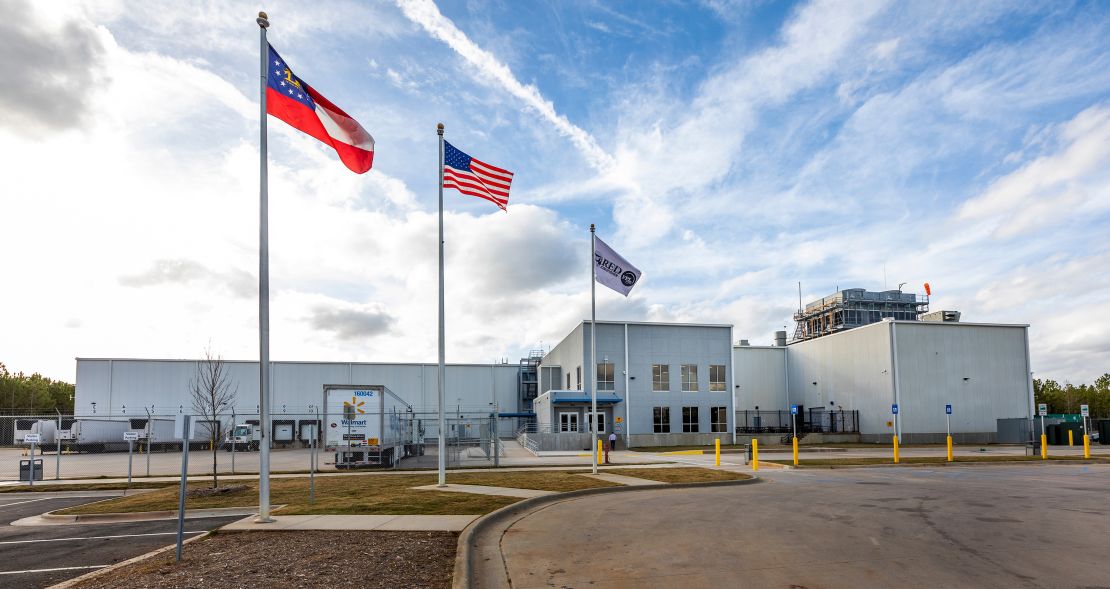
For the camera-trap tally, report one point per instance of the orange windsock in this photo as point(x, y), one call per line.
point(928, 291)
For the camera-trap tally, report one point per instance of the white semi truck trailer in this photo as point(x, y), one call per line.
point(45, 428)
point(94, 435)
point(367, 425)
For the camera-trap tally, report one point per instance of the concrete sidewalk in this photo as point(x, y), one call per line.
point(486, 490)
point(392, 523)
point(621, 479)
point(254, 476)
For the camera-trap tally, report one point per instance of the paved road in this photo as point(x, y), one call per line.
point(40, 556)
point(982, 526)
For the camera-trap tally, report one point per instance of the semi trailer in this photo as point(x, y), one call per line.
point(45, 428)
point(94, 435)
point(154, 433)
point(367, 425)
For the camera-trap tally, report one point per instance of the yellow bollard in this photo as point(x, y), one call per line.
point(1086, 446)
point(895, 449)
point(1044, 447)
point(1071, 438)
point(949, 448)
point(795, 451)
point(755, 453)
point(717, 450)
point(599, 452)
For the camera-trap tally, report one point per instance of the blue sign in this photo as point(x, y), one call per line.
point(948, 409)
point(793, 409)
point(894, 408)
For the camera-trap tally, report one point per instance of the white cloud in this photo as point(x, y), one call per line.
point(1075, 180)
point(488, 67)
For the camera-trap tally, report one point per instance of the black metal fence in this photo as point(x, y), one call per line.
point(808, 421)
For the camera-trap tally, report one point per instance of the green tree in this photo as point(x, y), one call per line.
point(1068, 397)
point(20, 393)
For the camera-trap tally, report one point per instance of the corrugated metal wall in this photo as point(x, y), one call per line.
point(760, 374)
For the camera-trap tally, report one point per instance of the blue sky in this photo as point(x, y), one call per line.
point(729, 149)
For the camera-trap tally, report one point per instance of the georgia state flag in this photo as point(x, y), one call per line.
point(290, 99)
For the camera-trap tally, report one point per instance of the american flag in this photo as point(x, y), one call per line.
point(476, 178)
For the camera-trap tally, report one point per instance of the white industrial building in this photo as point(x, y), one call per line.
point(981, 370)
point(659, 383)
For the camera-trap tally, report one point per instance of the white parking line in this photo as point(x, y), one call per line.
point(29, 571)
point(96, 537)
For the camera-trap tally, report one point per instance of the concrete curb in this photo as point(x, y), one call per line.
point(53, 519)
point(947, 464)
point(68, 584)
point(472, 552)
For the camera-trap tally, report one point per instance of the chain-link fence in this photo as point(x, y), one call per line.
point(98, 446)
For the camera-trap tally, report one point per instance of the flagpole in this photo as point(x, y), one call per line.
point(442, 349)
point(593, 347)
point(263, 290)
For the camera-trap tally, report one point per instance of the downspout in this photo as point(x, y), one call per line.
point(627, 395)
point(731, 417)
point(111, 370)
point(894, 376)
point(1029, 376)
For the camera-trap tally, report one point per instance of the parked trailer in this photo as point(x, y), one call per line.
point(366, 425)
point(45, 428)
point(94, 435)
point(154, 433)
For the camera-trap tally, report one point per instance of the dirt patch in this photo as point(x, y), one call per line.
point(298, 559)
point(211, 492)
point(681, 474)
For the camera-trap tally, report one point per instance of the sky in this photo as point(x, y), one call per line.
point(729, 149)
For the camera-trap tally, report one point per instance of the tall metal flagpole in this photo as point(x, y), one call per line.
point(593, 347)
point(442, 353)
point(263, 293)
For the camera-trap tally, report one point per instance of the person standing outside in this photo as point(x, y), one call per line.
point(613, 442)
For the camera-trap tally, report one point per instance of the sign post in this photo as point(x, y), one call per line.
point(894, 411)
point(948, 421)
point(186, 431)
point(130, 438)
point(1042, 410)
point(33, 439)
point(1085, 411)
point(794, 427)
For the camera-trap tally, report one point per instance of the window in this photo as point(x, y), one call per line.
point(605, 380)
point(568, 381)
point(578, 376)
point(661, 420)
point(690, 420)
point(660, 377)
point(716, 377)
point(600, 421)
point(568, 421)
point(718, 419)
point(689, 377)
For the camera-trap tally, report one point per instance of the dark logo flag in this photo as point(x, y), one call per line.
point(613, 270)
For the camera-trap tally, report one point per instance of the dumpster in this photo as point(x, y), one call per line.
point(25, 469)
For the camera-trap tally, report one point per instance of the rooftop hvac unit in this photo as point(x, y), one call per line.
point(942, 316)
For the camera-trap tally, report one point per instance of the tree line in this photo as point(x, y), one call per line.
point(34, 394)
point(1068, 397)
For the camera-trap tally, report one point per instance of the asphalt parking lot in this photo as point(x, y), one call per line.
point(974, 526)
point(39, 556)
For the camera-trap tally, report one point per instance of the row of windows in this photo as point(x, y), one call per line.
point(661, 420)
point(660, 377)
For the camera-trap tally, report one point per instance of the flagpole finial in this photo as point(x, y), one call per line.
point(439, 129)
point(263, 20)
